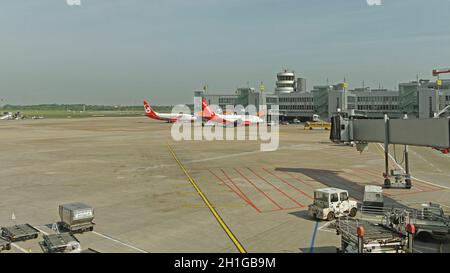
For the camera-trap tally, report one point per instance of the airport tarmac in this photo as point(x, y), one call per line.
point(145, 202)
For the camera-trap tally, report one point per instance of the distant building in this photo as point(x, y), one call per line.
point(417, 99)
point(285, 82)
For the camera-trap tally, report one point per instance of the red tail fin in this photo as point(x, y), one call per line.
point(206, 111)
point(149, 111)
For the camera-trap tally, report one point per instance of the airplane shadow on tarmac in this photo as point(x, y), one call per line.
point(332, 179)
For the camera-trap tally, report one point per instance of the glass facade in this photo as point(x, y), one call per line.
point(408, 98)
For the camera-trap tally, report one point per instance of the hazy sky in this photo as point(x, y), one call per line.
point(122, 51)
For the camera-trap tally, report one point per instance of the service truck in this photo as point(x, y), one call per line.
point(331, 203)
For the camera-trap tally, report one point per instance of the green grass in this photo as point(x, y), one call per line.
point(77, 114)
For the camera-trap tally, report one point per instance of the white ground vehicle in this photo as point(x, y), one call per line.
point(373, 196)
point(330, 203)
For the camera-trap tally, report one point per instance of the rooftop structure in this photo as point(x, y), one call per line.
point(418, 99)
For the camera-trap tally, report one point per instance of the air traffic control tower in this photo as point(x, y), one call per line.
point(285, 82)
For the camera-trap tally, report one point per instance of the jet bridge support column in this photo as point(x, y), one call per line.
point(387, 182)
point(408, 176)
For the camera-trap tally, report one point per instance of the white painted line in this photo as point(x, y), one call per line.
point(324, 225)
point(19, 248)
point(416, 250)
point(43, 232)
point(433, 184)
point(120, 242)
point(321, 228)
point(330, 231)
point(104, 236)
point(413, 177)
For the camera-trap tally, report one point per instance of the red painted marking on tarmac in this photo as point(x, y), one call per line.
point(286, 182)
point(283, 209)
point(250, 202)
point(278, 189)
point(233, 190)
point(258, 189)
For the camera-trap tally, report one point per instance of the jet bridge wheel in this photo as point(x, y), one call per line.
point(408, 183)
point(387, 183)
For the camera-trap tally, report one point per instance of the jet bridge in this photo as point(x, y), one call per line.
point(349, 128)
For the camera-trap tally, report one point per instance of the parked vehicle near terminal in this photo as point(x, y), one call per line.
point(310, 125)
point(331, 203)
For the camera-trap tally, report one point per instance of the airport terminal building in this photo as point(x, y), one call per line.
point(419, 99)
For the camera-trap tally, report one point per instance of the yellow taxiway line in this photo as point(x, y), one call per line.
point(208, 204)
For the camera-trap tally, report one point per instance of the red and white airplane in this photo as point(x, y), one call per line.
point(230, 119)
point(171, 117)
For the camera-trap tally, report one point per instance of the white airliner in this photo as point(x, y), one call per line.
point(170, 117)
point(7, 116)
point(230, 119)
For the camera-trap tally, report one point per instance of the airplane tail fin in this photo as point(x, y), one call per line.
point(149, 111)
point(206, 110)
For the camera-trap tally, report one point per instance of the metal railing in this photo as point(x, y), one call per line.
point(397, 218)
